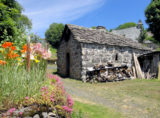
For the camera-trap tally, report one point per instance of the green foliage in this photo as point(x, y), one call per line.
point(11, 19)
point(110, 30)
point(24, 23)
point(54, 52)
point(93, 27)
point(35, 38)
point(126, 25)
point(143, 34)
point(54, 34)
point(152, 14)
point(152, 39)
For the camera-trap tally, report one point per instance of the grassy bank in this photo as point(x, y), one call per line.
point(89, 110)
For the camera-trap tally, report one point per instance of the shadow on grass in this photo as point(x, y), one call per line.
point(65, 77)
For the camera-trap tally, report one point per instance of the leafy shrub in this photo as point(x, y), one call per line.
point(126, 25)
point(54, 34)
point(12, 20)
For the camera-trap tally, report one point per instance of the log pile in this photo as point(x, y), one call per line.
point(108, 73)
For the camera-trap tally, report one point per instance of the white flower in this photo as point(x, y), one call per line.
point(32, 57)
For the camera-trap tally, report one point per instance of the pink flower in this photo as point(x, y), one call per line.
point(63, 90)
point(38, 49)
point(11, 110)
point(50, 76)
point(44, 88)
point(51, 98)
point(20, 113)
point(26, 98)
point(67, 109)
point(70, 101)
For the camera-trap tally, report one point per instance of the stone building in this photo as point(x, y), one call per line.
point(132, 32)
point(81, 48)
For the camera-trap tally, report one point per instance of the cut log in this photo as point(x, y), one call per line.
point(138, 70)
point(108, 73)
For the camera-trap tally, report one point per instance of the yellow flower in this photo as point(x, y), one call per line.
point(19, 64)
point(2, 51)
point(37, 61)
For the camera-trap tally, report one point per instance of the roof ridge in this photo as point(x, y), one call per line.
point(88, 35)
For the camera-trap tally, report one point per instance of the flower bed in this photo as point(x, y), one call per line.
point(53, 101)
point(28, 93)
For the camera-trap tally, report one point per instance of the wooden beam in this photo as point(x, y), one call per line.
point(138, 70)
point(134, 72)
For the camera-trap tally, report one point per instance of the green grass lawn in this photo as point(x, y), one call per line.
point(132, 98)
point(87, 110)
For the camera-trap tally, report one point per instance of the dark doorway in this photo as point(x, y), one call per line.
point(116, 57)
point(67, 64)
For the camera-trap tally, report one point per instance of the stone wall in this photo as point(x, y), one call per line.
point(132, 33)
point(73, 48)
point(93, 54)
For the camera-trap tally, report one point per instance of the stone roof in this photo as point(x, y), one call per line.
point(88, 35)
point(149, 54)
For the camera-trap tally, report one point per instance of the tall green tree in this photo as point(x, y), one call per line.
point(12, 20)
point(54, 34)
point(152, 14)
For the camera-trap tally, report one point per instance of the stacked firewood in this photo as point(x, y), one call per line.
point(108, 73)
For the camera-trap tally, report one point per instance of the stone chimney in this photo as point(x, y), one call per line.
point(101, 28)
point(140, 24)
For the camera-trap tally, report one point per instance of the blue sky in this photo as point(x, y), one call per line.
point(87, 13)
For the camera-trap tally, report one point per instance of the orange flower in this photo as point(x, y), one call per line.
point(4, 45)
point(2, 62)
point(24, 49)
point(7, 44)
point(12, 55)
point(13, 48)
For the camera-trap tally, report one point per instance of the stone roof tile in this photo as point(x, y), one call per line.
point(88, 35)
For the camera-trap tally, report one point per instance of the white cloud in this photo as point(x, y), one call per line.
point(44, 12)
